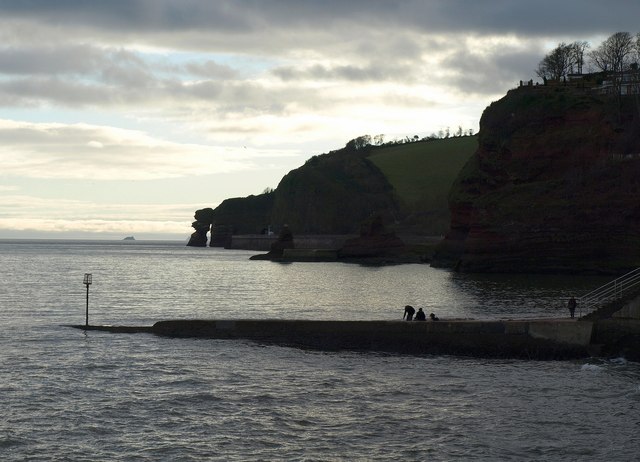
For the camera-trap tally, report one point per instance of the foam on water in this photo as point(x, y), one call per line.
point(592, 368)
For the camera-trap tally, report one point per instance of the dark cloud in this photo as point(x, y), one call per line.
point(529, 18)
point(88, 53)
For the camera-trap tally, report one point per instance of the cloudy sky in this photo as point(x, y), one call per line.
point(122, 117)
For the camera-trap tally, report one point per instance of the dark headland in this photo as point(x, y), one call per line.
point(549, 185)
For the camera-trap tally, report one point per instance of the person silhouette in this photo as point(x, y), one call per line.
point(409, 311)
point(434, 317)
point(420, 316)
point(572, 306)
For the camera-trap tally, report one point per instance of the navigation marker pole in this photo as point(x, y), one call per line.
point(87, 281)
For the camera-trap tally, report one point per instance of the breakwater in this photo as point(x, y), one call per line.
point(530, 339)
point(263, 242)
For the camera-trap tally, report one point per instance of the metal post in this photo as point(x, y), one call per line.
point(87, 281)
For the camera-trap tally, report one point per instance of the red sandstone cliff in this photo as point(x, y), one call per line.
point(553, 187)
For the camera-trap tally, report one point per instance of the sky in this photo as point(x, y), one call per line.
point(122, 117)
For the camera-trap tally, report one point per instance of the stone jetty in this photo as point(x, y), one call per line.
point(552, 338)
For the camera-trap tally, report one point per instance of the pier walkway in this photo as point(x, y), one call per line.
point(532, 338)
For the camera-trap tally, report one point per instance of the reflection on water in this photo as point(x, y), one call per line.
point(71, 395)
point(142, 283)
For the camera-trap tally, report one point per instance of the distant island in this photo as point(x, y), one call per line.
point(129, 238)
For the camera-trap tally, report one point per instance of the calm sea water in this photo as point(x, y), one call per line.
point(76, 396)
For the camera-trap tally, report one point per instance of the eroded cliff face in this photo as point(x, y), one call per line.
point(553, 187)
point(334, 193)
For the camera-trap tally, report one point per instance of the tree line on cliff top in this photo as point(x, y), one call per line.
point(618, 53)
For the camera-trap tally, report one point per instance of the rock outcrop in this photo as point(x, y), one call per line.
point(374, 242)
point(199, 236)
point(284, 241)
point(553, 187)
point(333, 193)
point(202, 225)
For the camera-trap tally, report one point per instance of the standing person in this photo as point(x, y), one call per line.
point(408, 312)
point(420, 316)
point(572, 306)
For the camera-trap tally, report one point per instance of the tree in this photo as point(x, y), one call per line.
point(360, 142)
point(563, 60)
point(615, 55)
point(557, 63)
point(578, 48)
point(378, 140)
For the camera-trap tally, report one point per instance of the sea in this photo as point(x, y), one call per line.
point(71, 395)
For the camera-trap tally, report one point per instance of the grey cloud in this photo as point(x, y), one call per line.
point(375, 41)
point(539, 18)
point(211, 69)
point(32, 91)
point(351, 73)
point(221, 98)
point(489, 73)
point(49, 60)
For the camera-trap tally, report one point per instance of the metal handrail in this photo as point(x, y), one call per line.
point(610, 291)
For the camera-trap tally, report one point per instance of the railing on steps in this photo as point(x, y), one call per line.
point(611, 291)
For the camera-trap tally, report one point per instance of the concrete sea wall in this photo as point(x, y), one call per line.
point(526, 339)
point(531, 339)
point(263, 242)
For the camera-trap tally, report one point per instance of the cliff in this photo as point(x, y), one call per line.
point(553, 186)
point(246, 215)
point(335, 193)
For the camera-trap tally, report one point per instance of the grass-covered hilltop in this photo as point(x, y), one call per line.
point(335, 193)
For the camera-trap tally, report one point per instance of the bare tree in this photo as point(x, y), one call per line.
point(577, 50)
point(557, 63)
point(615, 55)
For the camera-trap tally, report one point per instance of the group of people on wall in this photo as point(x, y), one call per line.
point(410, 311)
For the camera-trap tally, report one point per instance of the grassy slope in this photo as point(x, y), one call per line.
point(422, 173)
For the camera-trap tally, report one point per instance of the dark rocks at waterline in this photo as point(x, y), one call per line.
point(199, 236)
point(374, 242)
point(285, 241)
point(202, 225)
